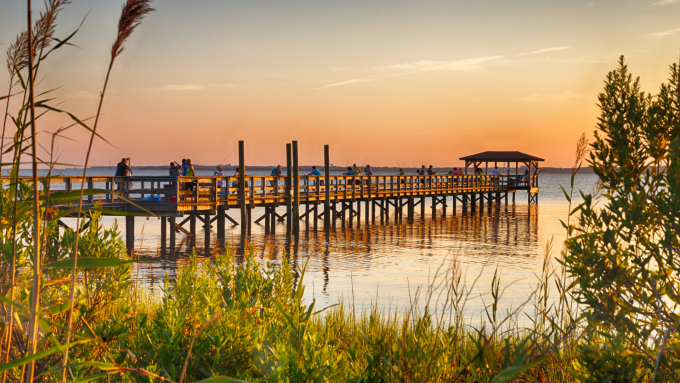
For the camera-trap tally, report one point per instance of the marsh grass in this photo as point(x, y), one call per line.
point(71, 310)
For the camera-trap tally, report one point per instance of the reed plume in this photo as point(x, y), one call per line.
point(131, 16)
point(43, 30)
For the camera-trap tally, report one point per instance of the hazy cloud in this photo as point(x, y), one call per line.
point(666, 2)
point(464, 65)
point(553, 49)
point(192, 87)
point(665, 33)
point(426, 65)
point(567, 94)
point(418, 67)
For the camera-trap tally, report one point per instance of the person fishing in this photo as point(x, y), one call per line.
point(219, 173)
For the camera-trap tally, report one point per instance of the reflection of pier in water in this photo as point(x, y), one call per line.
point(500, 230)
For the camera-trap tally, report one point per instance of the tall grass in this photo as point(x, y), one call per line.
point(71, 309)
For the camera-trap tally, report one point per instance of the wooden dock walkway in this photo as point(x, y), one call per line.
point(179, 201)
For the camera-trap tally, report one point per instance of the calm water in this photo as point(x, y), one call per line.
point(382, 261)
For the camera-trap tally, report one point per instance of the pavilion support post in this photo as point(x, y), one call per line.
point(289, 186)
point(296, 189)
point(242, 186)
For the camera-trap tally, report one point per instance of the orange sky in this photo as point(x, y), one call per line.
point(384, 82)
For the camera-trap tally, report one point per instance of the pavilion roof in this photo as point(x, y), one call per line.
point(501, 157)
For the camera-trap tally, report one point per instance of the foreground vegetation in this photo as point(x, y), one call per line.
point(71, 311)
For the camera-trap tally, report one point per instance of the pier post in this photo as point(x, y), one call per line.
point(164, 235)
point(455, 201)
point(206, 231)
point(192, 224)
point(296, 189)
point(289, 187)
point(444, 205)
point(422, 207)
point(327, 195)
point(242, 186)
point(358, 213)
point(386, 202)
point(366, 213)
point(272, 230)
point(266, 219)
point(316, 213)
point(130, 234)
point(173, 230)
point(434, 206)
point(220, 225)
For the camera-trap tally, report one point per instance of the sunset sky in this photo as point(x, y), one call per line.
point(384, 82)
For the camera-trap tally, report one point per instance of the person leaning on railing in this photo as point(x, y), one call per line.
point(494, 175)
point(122, 170)
point(369, 172)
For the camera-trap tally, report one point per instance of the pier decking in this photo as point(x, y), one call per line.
point(327, 197)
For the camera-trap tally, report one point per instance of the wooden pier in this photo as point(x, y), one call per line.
point(182, 202)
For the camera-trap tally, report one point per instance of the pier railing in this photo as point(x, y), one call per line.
point(191, 193)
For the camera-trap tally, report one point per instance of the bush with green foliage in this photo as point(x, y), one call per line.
point(624, 252)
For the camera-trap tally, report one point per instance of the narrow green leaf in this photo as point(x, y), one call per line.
point(565, 194)
point(40, 355)
point(221, 379)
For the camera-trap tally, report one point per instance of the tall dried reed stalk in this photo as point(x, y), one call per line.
point(131, 16)
point(35, 289)
point(17, 60)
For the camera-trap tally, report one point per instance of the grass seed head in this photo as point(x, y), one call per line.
point(131, 16)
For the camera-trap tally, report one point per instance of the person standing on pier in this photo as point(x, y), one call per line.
point(174, 170)
point(356, 172)
point(184, 167)
point(122, 169)
point(430, 171)
point(494, 175)
point(190, 173)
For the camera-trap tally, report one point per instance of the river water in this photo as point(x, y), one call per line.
point(384, 263)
